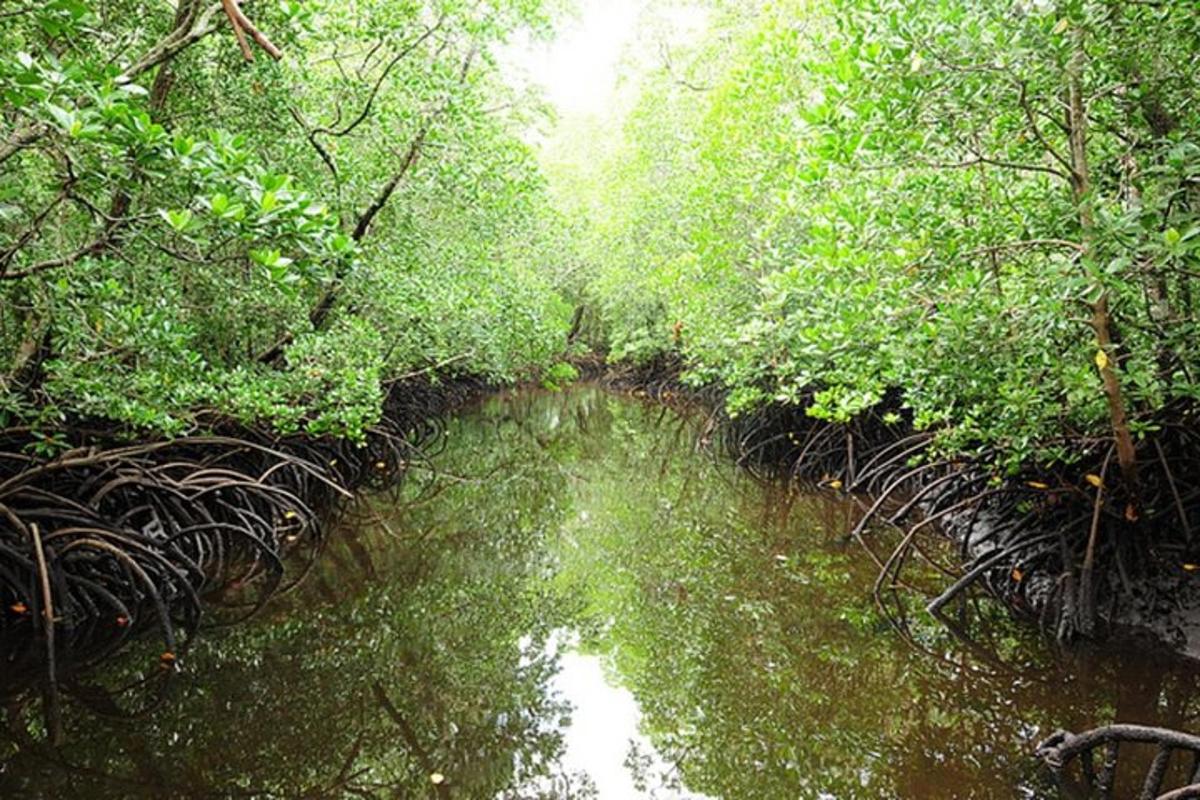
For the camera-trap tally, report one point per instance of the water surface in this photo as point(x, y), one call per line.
point(568, 601)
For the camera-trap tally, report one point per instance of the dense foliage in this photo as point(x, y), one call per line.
point(188, 238)
point(989, 205)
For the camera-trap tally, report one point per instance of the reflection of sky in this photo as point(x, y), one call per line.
point(604, 723)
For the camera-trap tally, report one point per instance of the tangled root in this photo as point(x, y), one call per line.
point(1064, 545)
point(1071, 759)
point(104, 543)
point(1061, 544)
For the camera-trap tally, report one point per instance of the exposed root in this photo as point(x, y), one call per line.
point(105, 542)
point(1060, 544)
point(1071, 759)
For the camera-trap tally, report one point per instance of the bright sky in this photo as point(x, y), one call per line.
point(579, 68)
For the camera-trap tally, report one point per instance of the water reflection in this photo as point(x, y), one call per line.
point(581, 605)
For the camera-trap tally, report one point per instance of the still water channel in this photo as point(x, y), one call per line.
point(572, 601)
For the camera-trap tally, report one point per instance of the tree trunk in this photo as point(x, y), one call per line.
point(1101, 321)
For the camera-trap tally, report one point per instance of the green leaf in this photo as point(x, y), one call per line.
point(65, 119)
point(179, 220)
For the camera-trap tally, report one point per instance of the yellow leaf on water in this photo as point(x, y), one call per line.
point(1101, 360)
point(1094, 480)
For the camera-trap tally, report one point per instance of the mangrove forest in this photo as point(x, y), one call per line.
point(600, 399)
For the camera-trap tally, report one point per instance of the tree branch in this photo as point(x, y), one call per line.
point(173, 44)
point(20, 139)
point(35, 227)
point(1037, 130)
point(399, 56)
point(241, 26)
point(995, 162)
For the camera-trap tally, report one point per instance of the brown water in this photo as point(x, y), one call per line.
point(570, 601)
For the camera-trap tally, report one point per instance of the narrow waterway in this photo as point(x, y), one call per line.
point(571, 600)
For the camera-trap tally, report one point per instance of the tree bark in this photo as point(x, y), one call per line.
point(1101, 320)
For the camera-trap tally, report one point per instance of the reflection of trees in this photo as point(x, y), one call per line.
point(735, 613)
point(416, 649)
point(745, 628)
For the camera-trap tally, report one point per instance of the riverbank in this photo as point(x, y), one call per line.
point(108, 541)
point(431, 637)
point(1065, 546)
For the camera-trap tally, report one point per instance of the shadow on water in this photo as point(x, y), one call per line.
point(579, 604)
